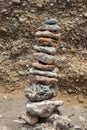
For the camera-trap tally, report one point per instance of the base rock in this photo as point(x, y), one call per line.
point(44, 108)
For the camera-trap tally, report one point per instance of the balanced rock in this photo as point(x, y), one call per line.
point(47, 34)
point(29, 118)
point(48, 50)
point(43, 73)
point(51, 21)
point(43, 108)
point(47, 42)
point(51, 28)
point(38, 92)
point(45, 58)
point(40, 66)
point(43, 80)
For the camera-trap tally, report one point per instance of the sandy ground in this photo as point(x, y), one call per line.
point(11, 105)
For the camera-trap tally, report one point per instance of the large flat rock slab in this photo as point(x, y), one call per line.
point(43, 108)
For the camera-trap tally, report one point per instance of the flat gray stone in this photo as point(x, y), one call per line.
point(51, 28)
point(43, 108)
point(46, 49)
point(51, 74)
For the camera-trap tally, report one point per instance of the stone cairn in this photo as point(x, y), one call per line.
point(43, 75)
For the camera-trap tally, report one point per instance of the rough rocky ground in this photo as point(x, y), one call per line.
point(18, 23)
point(11, 106)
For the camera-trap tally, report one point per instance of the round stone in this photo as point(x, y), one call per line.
point(51, 21)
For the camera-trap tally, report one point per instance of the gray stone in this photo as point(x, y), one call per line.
point(61, 122)
point(47, 34)
point(38, 92)
point(51, 21)
point(45, 49)
point(45, 58)
point(51, 28)
point(43, 108)
point(51, 74)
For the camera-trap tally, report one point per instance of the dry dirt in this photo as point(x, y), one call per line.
point(18, 23)
point(11, 105)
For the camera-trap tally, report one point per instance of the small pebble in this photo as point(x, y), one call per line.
point(51, 21)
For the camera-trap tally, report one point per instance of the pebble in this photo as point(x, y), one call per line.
point(51, 21)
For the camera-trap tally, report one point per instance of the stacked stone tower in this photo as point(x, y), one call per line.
point(43, 75)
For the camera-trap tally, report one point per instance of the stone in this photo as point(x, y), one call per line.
point(43, 80)
point(45, 58)
point(16, 1)
point(47, 42)
point(51, 28)
point(38, 92)
point(44, 108)
point(40, 66)
point(47, 34)
point(29, 118)
point(51, 21)
point(43, 73)
point(59, 121)
point(48, 50)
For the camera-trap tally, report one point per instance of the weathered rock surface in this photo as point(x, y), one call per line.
point(45, 58)
point(43, 80)
point(61, 122)
point(47, 42)
point(34, 71)
point(51, 28)
point(38, 92)
point(47, 34)
point(40, 66)
point(43, 108)
point(48, 50)
point(51, 21)
point(29, 118)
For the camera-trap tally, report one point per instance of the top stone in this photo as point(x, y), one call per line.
point(51, 21)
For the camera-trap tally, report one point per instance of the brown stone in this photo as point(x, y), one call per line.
point(45, 58)
point(47, 42)
point(40, 66)
point(46, 49)
point(42, 79)
point(29, 118)
point(47, 34)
